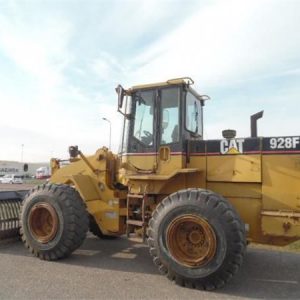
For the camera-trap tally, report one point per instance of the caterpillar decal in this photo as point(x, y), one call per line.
point(234, 146)
point(266, 145)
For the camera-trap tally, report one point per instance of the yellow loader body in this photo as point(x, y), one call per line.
point(196, 201)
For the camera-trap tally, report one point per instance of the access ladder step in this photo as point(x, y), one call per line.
point(138, 196)
point(132, 224)
point(136, 223)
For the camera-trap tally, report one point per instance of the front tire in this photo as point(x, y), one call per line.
point(197, 239)
point(54, 221)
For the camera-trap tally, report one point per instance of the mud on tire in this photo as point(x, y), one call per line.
point(226, 240)
point(53, 220)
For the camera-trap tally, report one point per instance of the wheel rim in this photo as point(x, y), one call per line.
point(43, 222)
point(191, 240)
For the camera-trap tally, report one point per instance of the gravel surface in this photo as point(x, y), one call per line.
point(121, 269)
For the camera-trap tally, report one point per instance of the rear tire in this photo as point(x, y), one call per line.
point(54, 221)
point(197, 239)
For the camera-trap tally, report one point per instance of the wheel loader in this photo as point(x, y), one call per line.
point(196, 202)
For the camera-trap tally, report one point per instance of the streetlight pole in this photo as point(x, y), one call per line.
point(105, 119)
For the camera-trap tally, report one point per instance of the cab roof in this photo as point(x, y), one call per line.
point(187, 81)
point(170, 82)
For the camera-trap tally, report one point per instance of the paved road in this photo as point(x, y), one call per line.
point(121, 269)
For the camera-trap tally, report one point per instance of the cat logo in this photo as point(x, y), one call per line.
point(232, 146)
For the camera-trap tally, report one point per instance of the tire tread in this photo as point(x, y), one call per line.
point(75, 218)
point(223, 208)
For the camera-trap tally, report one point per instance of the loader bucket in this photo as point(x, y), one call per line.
point(10, 202)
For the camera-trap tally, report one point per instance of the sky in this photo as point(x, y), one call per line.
point(61, 60)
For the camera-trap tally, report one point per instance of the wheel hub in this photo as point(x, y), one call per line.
point(191, 240)
point(195, 237)
point(43, 222)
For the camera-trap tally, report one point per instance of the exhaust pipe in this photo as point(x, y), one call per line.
point(253, 120)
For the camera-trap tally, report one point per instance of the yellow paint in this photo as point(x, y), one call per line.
point(281, 182)
point(234, 168)
point(280, 226)
point(233, 151)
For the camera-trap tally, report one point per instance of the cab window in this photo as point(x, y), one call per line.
point(193, 122)
point(144, 110)
point(169, 116)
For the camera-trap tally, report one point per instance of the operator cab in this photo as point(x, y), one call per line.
point(159, 120)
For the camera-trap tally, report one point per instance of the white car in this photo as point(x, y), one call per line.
point(11, 178)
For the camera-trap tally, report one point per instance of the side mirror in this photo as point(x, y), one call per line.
point(121, 93)
point(25, 167)
point(165, 120)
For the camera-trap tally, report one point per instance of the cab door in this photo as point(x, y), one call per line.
point(142, 145)
point(170, 153)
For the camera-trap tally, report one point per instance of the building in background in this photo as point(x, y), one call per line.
point(19, 168)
